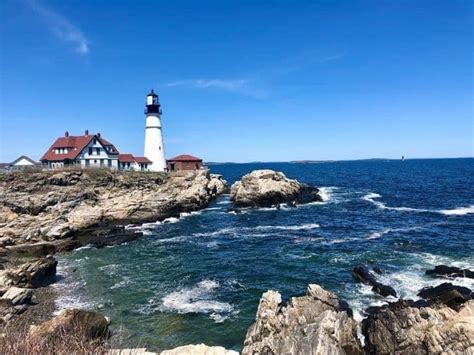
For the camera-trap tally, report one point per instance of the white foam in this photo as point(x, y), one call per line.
point(326, 192)
point(457, 211)
point(68, 291)
point(306, 226)
point(88, 246)
point(197, 299)
point(460, 211)
point(378, 234)
point(125, 282)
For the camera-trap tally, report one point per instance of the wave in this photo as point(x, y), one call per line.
point(69, 290)
point(378, 234)
point(306, 226)
point(460, 211)
point(197, 299)
point(457, 211)
point(235, 230)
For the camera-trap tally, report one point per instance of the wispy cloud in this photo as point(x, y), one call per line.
point(241, 86)
point(61, 27)
point(259, 84)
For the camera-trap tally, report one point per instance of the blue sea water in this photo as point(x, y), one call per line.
point(199, 278)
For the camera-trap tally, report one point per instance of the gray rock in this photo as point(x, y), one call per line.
point(404, 328)
point(312, 324)
point(18, 295)
point(267, 188)
point(200, 349)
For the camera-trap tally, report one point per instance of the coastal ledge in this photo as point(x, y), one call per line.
point(268, 188)
point(88, 205)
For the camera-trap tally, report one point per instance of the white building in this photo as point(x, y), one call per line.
point(90, 151)
point(22, 162)
point(154, 148)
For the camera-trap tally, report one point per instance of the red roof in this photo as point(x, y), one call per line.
point(185, 157)
point(75, 144)
point(142, 160)
point(126, 158)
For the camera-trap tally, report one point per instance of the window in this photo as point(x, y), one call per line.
point(90, 150)
point(87, 162)
point(95, 141)
point(97, 151)
point(128, 165)
point(109, 162)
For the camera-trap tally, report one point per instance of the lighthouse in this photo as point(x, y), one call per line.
point(154, 149)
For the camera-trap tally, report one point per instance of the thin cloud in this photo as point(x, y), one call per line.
point(61, 27)
point(228, 85)
point(240, 86)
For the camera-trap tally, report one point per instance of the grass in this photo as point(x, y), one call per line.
point(16, 340)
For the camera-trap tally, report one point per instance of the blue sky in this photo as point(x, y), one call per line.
point(242, 81)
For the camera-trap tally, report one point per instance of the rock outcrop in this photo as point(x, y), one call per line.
point(48, 209)
point(90, 325)
point(450, 272)
point(267, 188)
point(448, 294)
point(34, 274)
point(200, 349)
point(405, 328)
point(317, 323)
point(363, 274)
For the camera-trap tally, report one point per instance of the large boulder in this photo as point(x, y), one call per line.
point(451, 295)
point(267, 188)
point(200, 349)
point(35, 274)
point(86, 325)
point(364, 275)
point(450, 272)
point(18, 295)
point(404, 328)
point(317, 323)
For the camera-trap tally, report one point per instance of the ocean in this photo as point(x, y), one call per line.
point(199, 278)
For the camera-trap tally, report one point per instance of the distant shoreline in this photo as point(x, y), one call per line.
point(309, 161)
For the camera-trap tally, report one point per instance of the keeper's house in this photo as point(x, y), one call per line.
point(184, 162)
point(90, 150)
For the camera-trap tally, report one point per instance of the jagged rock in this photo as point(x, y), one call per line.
point(50, 206)
point(364, 275)
point(451, 295)
point(217, 185)
point(91, 325)
point(36, 250)
point(450, 272)
point(316, 323)
point(404, 328)
point(35, 274)
point(200, 349)
point(18, 295)
point(267, 188)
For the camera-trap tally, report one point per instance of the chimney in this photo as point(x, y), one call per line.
point(86, 133)
point(98, 134)
point(66, 134)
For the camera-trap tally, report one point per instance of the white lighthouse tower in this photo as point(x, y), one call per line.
point(154, 149)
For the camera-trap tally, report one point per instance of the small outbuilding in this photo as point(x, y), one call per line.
point(184, 162)
point(23, 162)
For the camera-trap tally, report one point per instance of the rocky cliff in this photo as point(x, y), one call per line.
point(317, 323)
point(88, 206)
